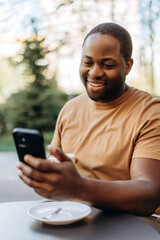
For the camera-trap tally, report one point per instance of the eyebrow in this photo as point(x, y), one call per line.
point(103, 59)
point(87, 56)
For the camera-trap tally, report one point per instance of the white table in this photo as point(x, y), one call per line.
point(15, 224)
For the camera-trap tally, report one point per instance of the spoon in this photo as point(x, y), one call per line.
point(49, 217)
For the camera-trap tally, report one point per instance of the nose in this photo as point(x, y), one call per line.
point(96, 71)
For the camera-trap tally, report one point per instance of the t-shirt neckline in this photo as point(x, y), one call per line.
point(114, 103)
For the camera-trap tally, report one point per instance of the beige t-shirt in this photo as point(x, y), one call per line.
point(106, 136)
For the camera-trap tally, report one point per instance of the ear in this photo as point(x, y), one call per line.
point(129, 65)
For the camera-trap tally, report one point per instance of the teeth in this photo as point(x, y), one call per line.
point(96, 85)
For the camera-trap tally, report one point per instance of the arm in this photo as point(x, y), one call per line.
point(140, 195)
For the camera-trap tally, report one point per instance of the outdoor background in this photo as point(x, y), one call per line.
point(40, 49)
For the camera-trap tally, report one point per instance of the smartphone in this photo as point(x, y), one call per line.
point(28, 141)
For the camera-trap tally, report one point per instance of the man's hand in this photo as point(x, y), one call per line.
point(59, 181)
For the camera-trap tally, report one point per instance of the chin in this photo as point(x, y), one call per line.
point(105, 97)
point(95, 98)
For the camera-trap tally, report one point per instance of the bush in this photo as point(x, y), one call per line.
point(38, 105)
point(3, 127)
point(35, 108)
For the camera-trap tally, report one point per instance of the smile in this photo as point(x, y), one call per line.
point(96, 84)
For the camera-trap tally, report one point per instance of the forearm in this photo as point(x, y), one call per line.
point(134, 196)
point(140, 196)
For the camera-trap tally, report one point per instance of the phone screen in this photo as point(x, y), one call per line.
point(28, 141)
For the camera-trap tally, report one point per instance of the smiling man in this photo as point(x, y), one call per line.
point(103, 69)
point(114, 131)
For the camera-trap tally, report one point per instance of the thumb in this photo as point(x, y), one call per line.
point(58, 153)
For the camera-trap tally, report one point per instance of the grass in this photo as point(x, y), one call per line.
point(7, 143)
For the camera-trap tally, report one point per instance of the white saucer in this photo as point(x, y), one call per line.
point(71, 212)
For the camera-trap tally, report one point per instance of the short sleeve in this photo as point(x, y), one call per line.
point(148, 142)
point(56, 141)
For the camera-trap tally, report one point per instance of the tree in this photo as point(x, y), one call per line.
point(38, 105)
point(3, 126)
point(149, 12)
point(32, 108)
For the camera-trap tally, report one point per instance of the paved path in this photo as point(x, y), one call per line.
point(8, 169)
point(11, 187)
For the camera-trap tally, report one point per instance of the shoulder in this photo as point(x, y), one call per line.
point(144, 106)
point(75, 104)
point(143, 100)
point(81, 97)
point(142, 95)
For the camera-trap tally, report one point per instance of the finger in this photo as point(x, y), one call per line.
point(18, 165)
point(43, 186)
point(59, 154)
point(43, 165)
point(30, 172)
point(34, 174)
point(43, 193)
point(51, 195)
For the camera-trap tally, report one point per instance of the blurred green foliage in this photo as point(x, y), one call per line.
point(7, 142)
point(34, 56)
point(3, 126)
point(37, 106)
point(34, 108)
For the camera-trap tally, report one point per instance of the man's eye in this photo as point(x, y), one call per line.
point(86, 63)
point(108, 66)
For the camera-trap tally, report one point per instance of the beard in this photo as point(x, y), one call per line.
point(109, 93)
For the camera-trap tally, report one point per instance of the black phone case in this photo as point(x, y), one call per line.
point(28, 141)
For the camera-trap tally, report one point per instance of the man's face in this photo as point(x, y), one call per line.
point(102, 68)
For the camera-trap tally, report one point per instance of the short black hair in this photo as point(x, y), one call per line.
point(118, 32)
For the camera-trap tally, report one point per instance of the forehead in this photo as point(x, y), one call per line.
point(101, 45)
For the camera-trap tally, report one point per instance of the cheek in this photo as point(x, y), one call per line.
point(83, 72)
point(112, 74)
point(115, 74)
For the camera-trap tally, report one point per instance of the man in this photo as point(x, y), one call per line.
point(114, 131)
